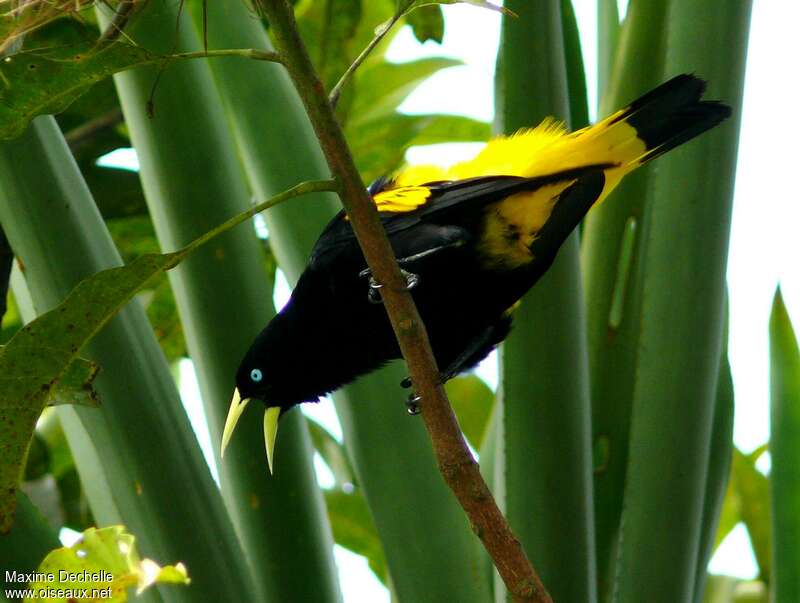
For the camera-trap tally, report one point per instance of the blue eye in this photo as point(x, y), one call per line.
point(256, 375)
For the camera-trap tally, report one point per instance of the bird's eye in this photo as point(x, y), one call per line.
point(256, 375)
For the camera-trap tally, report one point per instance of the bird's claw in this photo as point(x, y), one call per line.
point(412, 404)
point(374, 294)
point(406, 383)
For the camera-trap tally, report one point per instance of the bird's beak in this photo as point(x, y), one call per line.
point(234, 412)
point(271, 416)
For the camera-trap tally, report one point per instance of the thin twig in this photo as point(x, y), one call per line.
point(304, 188)
point(456, 463)
point(123, 14)
point(78, 136)
point(381, 33)
point(247, 53)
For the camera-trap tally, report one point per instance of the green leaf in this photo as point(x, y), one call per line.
point(727, 589)
point(379, 145)
point(331, 30)
point(607, 35)
point(472, 402)
point(576, 74)
point(41, 354)
point(104, 559)
point(544, 374)
point(718, 482)
point(336, 52)
point(75, 385)
point(332, 452)
point(117, 192)
point(383, 86)
point(427, 23)
point(673, 299)
point(29, 541)
point(417, 4)
point(730, 515)
point(116, 448)
point(354, 529)
point(753, 489)
point(37, 83)
point(611, 250)
point(785, 452)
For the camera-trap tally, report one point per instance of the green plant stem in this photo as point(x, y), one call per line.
point(682, 287)
point(607, 36)
point(544, 367)
point(384, 29)
point(245, 53)
point(611, 250)
point(304, 188)
point(456, 463)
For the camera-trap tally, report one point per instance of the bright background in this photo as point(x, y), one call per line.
point(764, 247)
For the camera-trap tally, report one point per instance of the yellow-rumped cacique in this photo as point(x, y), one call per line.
point(472, 239)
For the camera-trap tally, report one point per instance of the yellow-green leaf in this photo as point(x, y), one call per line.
point(472, 402)
point(102, 566)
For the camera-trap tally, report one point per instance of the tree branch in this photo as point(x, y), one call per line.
point(456, 463)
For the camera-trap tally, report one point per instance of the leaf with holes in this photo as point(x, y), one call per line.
point(37, 83)
point(40, 360)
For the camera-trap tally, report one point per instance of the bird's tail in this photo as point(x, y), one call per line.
point(669, 115)
point(662, 119)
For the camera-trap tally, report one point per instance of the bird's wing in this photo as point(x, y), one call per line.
point(438, 203)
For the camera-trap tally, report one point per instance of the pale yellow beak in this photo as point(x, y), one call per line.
point(271, 416)
point(234, 412)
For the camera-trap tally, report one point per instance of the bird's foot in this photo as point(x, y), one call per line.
point(412, 404)
point(374, 294)
point(406, 383)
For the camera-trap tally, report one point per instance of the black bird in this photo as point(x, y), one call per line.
point(472, 239)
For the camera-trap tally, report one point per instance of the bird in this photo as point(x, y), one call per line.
point(471, 240)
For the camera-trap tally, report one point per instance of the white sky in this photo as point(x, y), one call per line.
point(764, 245)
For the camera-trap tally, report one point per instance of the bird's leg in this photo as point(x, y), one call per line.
point(412, 403)
point(412, 280)
point(375, 287)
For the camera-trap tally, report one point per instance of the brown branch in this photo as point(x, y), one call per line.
point(123, 14)
point(456, 463)
point(82, 134)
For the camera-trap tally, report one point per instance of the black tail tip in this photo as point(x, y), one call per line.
point(673, 113)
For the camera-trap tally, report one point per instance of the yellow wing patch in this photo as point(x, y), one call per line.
point(511, 225)
point(420, 174)
point(402, 199)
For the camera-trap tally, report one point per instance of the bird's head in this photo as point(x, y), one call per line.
point(268, 373)
point(252, 383)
